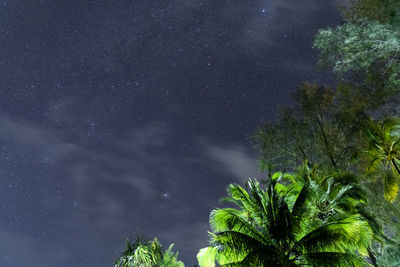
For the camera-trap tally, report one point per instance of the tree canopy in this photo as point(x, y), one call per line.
point(280, 225)
point(146, 253)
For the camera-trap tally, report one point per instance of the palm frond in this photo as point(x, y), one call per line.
point(391, 185)
point(279, 225)
point(236, 241)
point(342, 234)
point(333, 259)
point(206, 256)
point(232, 220)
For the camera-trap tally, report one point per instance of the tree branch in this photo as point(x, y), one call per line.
point(328, 150)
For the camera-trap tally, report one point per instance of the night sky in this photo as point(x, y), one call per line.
point(118, 117)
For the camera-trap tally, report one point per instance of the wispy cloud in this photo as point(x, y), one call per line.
point(136, 185)
point(234, 160)
point(97, 188)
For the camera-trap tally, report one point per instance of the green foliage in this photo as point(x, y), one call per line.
point(144, 253)
point(368, 43)
point(283, 227)
point(388, 252)
point(324, 128)
point(170, 259)
point(342, 131)
point(383, 154)
point(329, 129)
point(382, 11)
point(358, 46)
point(349, 129)
point(390, 256)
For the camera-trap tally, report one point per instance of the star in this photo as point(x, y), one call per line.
point(176, 74)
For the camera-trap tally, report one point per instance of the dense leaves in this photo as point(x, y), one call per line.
point(383, 11)
point(324, 128)
point(144, 253)
point(281, 225)
point(359, 46)
point(383, 154)
point(368, 43)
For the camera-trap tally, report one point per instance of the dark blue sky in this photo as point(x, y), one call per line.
point(118, 117)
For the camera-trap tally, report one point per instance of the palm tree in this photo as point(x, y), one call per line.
point(383, 154)
point(145, 253)
point(333, 193)
point(336, 193)
point(270, 228)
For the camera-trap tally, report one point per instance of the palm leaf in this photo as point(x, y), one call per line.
point(264, 231)
point(206, 256)
point(338, 236)
point(231, 220)
point(391, 186)
point(333, 259)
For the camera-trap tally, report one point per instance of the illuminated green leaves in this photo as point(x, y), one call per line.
point(143, 253)
point(384, 154)
point(279, 226)
point(358, 46)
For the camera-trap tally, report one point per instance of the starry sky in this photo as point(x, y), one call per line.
point(123, 117)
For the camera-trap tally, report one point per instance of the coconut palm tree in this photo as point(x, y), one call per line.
point(335, 193)
point(145, 253)
point(271, 228)
point(383, 154)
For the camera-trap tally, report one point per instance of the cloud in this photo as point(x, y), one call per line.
point(121, 190)
point(118, 191)
point(129, 153)
point(23, 133)
point(234, 160)
point(153, 134)
point(83, 182)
